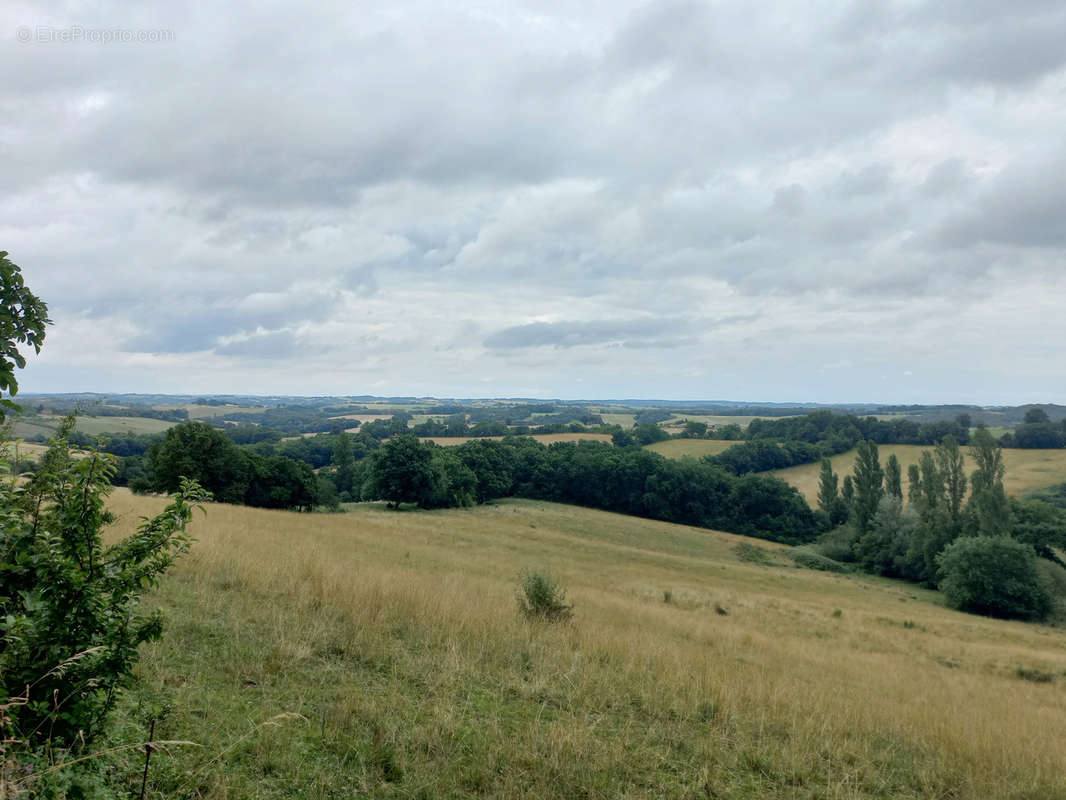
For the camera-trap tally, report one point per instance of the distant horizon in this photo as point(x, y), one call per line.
point(623, 401)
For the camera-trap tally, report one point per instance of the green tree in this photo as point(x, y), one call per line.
point(933, 532)
point(694, 430)
point(400, 472)
point(869, 485)
point(893, 478)
point(995, 576)
point(914, 484)
point(847, 493)
point(828, 493)
point(952, 470)
point(649, 433)
point(829, 500)
point(23, 317)
point(1036, 416)
point(205, 454)
point(343, 462)
point(988, 499)
point(489, 462)
point(1040, 524)
point(452, 483)
point(884, 547)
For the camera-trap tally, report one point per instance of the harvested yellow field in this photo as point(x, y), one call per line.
point(1026, 469)
point(393, 640)
point(690, 448)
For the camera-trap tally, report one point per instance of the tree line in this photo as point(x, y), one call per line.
point(628, 480)
point(402, 469)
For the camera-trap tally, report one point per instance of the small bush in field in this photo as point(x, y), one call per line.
point(540, 597)
point(809, 559)
point(995, 576)
point(753, 554)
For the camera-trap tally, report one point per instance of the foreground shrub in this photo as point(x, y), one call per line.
point(542, 598)
point(995, 576)
point(70, 613)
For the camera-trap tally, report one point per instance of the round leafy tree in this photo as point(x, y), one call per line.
point(995, 576)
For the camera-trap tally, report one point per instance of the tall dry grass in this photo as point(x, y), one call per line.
point(752, 681)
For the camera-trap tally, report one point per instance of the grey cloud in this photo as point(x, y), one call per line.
point(871, 179)
point(272, 345)
point(361, 280)
point(197, 326)
point(575, 334)
point(947, 176)
point(1022, 207)
point(993, 41)
point(789, 200)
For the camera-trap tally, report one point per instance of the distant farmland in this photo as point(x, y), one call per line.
point(713, 419)
point(694, 448)
point(364, 417)
point(26, 427)
point(197, 411)
point(543, 438)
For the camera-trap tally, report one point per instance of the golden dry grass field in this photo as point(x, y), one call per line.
point(687, 672)
point(1026, 469)
point(694, 448)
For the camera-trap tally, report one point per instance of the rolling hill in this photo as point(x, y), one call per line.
point(380, 653)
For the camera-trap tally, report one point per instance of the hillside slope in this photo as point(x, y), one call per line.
point(395, 639)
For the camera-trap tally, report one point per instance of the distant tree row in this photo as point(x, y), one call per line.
point(402, 469)
point(841, 432)
point(1037, 432)
point(629, 480)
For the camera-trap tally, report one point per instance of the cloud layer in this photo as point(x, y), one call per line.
point(671, 199)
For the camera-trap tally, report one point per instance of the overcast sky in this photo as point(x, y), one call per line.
point(784, 202)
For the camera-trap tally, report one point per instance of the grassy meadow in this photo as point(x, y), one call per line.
point(197, 411)
point(1026, 469)
point(380, 654)
point(31, 425)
